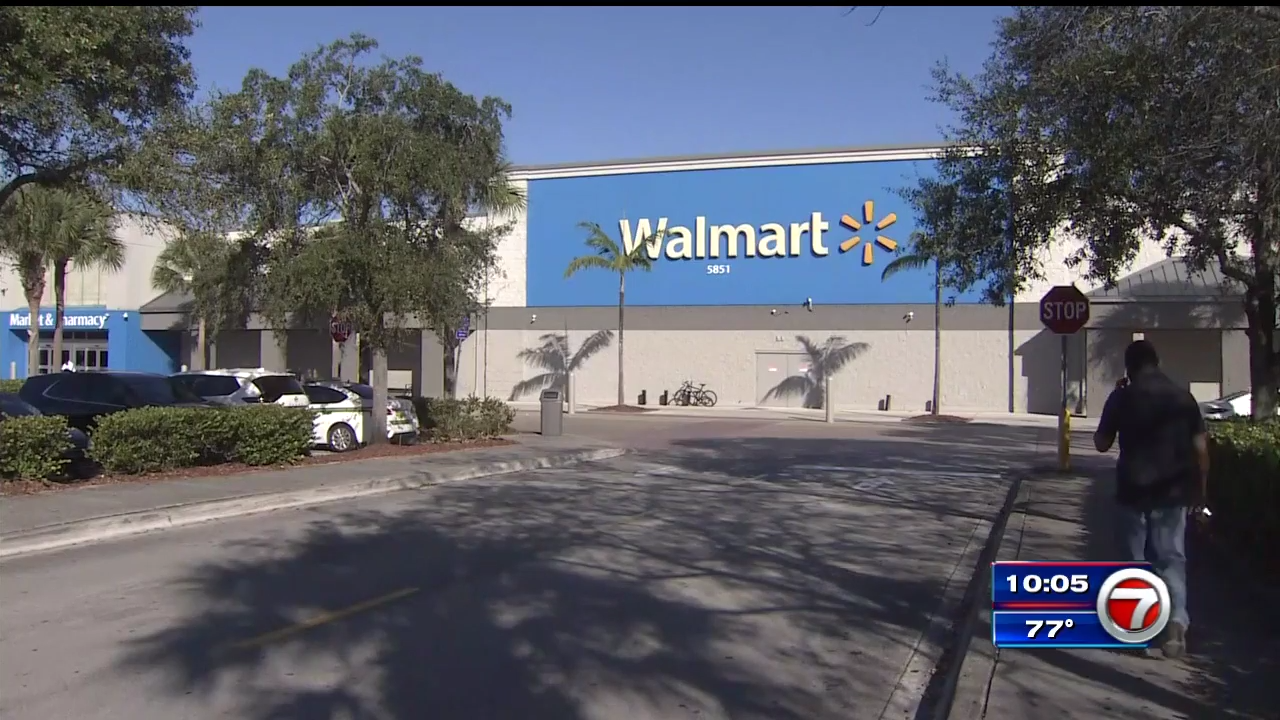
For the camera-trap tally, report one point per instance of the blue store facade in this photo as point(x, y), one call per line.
point(93, 337)
point(734, 236)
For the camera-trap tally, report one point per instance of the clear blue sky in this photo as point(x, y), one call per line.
point(608, 83)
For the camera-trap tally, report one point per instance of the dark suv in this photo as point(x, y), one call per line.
point(83, 397)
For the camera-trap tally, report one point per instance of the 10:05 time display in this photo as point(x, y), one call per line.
point(1059, 584)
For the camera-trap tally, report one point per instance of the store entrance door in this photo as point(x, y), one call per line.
point(86, 348)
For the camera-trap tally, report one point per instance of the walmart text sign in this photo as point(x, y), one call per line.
point(45, 320)
point(770, 240)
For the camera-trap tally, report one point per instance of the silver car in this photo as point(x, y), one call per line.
point(240, 386)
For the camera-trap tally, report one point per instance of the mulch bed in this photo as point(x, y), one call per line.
point(622, 409)
point(937, 420)
point(31, 487)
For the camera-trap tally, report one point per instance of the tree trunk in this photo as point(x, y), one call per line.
point(201, 358)
point(33, 330)
point(378, 379)
point(450, 370)
point(1264, 365)
point(59, 306)
point(622, 303)
point(937, 337)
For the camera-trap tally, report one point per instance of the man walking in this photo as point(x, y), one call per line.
point(1161, 476)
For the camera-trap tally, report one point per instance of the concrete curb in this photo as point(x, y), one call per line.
point(53, 537)
point(940, 693)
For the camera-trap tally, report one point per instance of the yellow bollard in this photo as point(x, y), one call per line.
point(1064, 440)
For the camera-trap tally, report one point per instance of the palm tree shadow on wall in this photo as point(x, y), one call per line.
point(824, 362)
point(555, 360)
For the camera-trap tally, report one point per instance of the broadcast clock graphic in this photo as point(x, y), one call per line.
point(1077, 604)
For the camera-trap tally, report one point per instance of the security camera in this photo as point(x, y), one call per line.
point(533, 318)
point(909, 316)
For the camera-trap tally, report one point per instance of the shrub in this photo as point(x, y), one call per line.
point(472, 418)
point(32, 448)
point(167, 438)
point(272, 434)
point(11, 386)
point(1244, 486)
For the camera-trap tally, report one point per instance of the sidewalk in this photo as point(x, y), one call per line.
point(842, 415)
point(42, 522)
point(1231, 670)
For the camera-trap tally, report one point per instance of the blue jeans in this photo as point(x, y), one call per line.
point(1159, 536)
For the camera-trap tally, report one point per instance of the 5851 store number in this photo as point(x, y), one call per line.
point(718, 269)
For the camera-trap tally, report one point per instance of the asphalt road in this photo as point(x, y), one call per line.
point(779, 577)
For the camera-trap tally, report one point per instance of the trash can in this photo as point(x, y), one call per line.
point(552, 418)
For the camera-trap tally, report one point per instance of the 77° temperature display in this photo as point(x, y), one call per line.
point(1076, 605)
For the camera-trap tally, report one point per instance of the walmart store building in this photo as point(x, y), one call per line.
point(750, 238)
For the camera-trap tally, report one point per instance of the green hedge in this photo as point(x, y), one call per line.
point(11, 386)
point(31, 448)
point(167, 438)
point(1244, 486)
point(472, 418)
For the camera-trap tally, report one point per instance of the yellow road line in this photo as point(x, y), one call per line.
point(323, 618)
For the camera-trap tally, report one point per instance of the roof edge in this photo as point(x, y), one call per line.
point(719, 161)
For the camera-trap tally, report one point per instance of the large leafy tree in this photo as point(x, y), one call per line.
point(196, 194)
point(83, 86)
point(607, 255)
point(44, 231)
point(386, 160)
point(1121, 125)
point(466, 264)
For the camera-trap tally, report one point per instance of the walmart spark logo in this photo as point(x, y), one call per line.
point(869, 224)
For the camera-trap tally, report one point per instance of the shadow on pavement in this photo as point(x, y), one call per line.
point(585, 593)
point(1234, 660)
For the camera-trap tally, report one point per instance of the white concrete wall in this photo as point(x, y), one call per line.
point(897, 363)
point(126, 289)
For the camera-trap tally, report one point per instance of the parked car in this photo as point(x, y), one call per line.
point(240, 386)
point(341, 408)
point(78, 463)
point(1237, 404)
point(83, 397)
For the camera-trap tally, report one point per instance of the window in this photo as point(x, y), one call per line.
point(158, 390)
point(208, 386)
point(320, 395)
point(364, 391)
point(68, 387)
point(273, 386)
point(104, 389)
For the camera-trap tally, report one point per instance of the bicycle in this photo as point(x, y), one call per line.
point(690, 395)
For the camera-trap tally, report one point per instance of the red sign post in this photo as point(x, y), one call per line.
point(1064, 310)
point(339, 329)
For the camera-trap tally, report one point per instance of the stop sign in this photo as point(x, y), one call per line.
point(339, 329)
point(1064, 309)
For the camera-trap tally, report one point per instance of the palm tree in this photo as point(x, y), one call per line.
point(553, 356)
point(50, 228)
point(499, 196)
point(919, 258)
point(196, 264)
point(83, 233)
point(23, 233)
point(609, 256)
point(825, 361)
